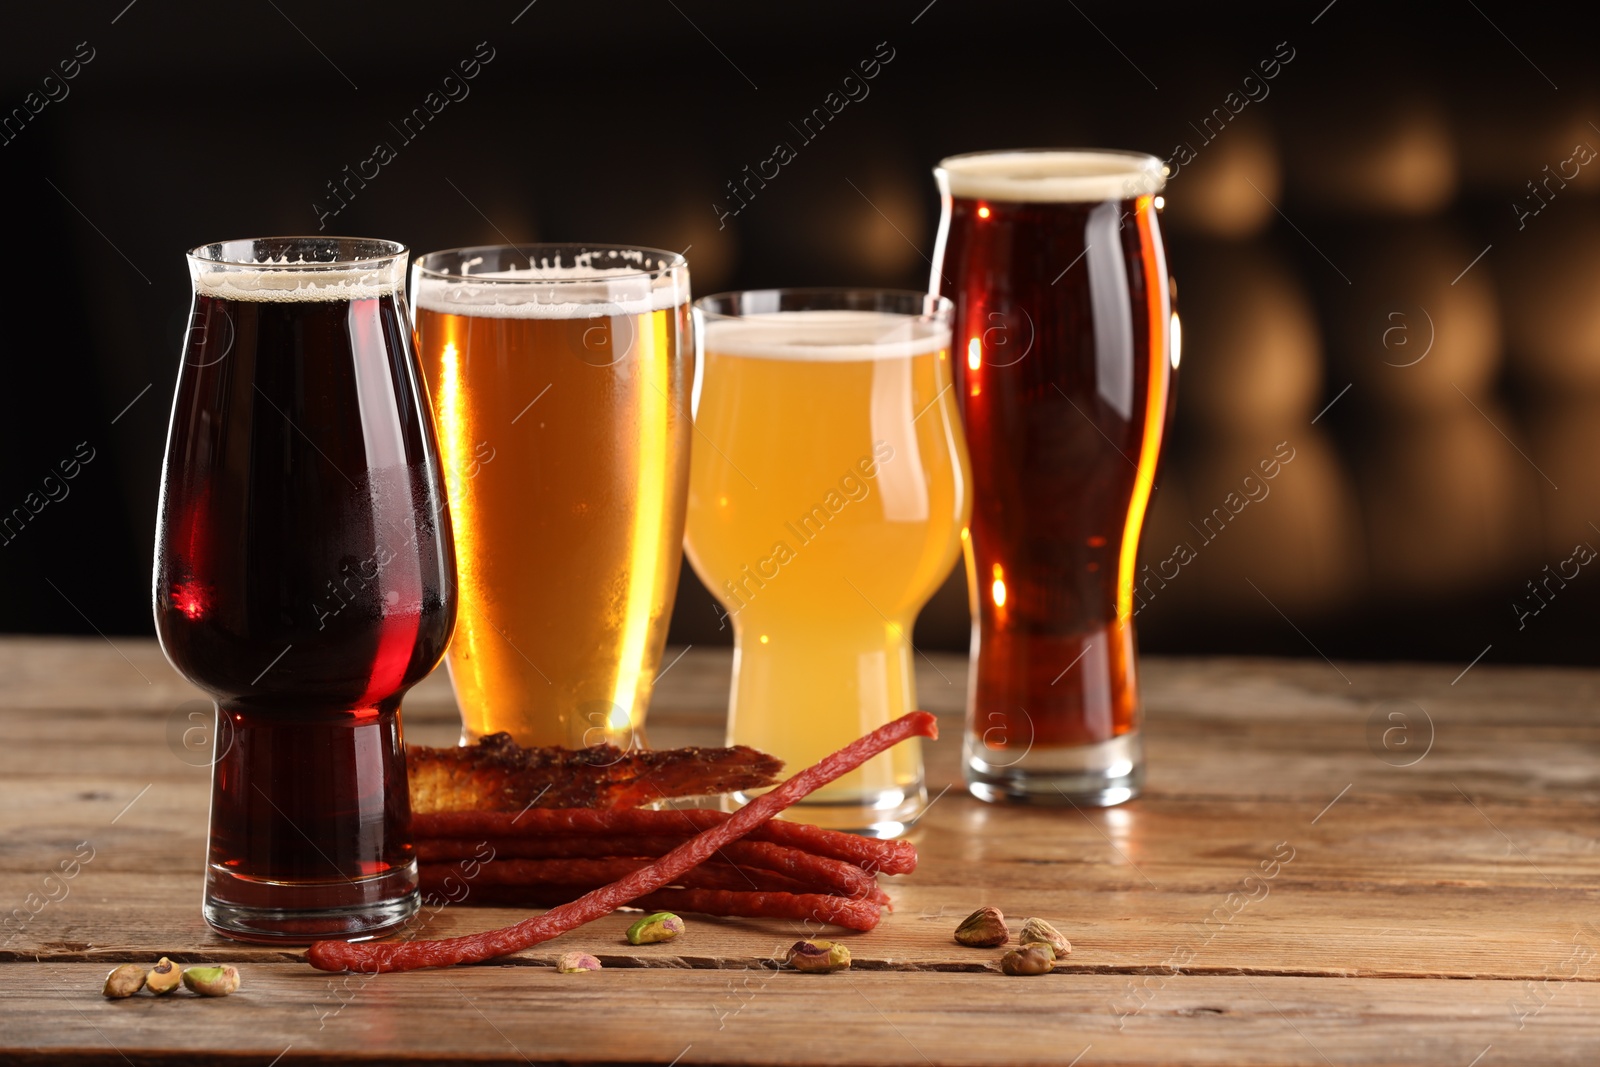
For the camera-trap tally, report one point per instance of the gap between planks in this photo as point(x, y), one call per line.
point(743, 963)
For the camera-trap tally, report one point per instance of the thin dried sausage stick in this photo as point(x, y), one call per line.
point(584, 875)
point(820, 872)
point(870, 854)
point(578, 876)
point(840, 911)
point(475, 948)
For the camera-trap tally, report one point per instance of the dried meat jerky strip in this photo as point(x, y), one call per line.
point(475, 948)
point(497, 774)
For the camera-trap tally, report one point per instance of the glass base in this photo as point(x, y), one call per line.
point(285, 914)
point(1098, 775)
point(884, 814)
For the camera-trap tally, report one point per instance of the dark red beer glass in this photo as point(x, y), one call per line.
point(304, 577)
point(1055, 264)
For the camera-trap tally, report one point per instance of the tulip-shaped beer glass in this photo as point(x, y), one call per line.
point(304, 577)
point(825, 508)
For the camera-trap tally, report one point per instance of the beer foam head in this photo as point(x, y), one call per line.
point(826, 336)
point(571, 292)
point(268, 285)
point(298, 269)
point(1057, 175)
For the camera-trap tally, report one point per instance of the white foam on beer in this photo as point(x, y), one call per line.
point(1054, 176)
point(269, 285)
point(551, 293)
point(825, 336)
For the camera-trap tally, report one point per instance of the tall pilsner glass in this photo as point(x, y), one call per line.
point(1055, 263)
point(827, 503)
point(560, 380)
point(304, 577)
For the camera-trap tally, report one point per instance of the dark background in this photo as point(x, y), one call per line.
point(1322, 238)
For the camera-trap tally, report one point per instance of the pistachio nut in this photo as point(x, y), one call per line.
point(164, 977)
point(211, 981)
point(662, 926)
point(1039, 930)
point(819, 957)
point(1036, 958)
point(124, 981)
point(576, 962)
point(984, 928)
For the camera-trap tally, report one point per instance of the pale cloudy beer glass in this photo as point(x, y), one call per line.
point(559, 378)
point(828, 499)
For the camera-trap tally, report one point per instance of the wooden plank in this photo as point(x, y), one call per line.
point(1370, 888)
point(1420, 903)
point(750, 1015)
point(1215, 728)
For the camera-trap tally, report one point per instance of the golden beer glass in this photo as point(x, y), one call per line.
point(828, 500)
point(559, 378)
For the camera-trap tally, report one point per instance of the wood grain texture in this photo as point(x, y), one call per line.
point(1294, 887)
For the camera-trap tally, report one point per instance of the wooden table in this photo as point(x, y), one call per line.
point(1288, 890)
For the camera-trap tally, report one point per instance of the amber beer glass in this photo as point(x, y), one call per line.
point(1054, 261)
point(559, 377)
point(825, 508)
point(303, 577)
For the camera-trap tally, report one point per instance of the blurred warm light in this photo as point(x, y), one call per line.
point(974, 355)
point(1313, 506)
point(1161, 202)
point(1549, 277)
point(998, 589)
point(1443, 498)
point(763, 639)
point(1503, 136)
point(686, 226)
point(1226, 192)
point(1399, 159)
point(1418, 333)
point(1257, 357)
point(1177, 341)
point(885, 225)
point(983, 212)
point(1565, 440)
